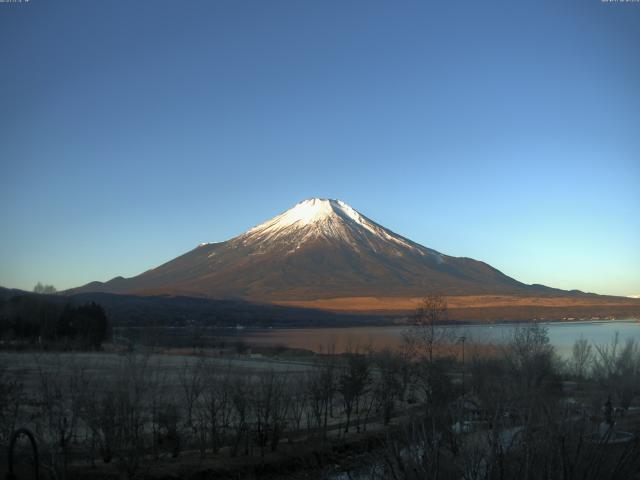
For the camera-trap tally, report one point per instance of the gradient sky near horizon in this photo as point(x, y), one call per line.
point(504, 131)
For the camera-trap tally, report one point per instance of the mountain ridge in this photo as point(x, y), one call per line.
point(319, 249)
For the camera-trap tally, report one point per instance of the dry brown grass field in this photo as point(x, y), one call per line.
point(488, 307)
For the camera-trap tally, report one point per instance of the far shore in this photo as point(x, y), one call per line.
point(487, 308)
point(391, 324)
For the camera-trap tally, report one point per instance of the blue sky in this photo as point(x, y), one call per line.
point(503, 131)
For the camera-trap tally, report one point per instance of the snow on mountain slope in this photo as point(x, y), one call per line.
point(329, 219)
point(320, 248)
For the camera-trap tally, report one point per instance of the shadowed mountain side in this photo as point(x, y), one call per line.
point(181, 311)
point(130, 310)
point(7, 293)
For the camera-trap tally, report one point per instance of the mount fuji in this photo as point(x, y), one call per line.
point(319, 249)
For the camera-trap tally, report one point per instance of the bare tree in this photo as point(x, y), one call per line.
point(98, 414)
point(215, 409)
point(298, 393)
point(162, 408)
point(134, 385)
point(44, 289)
point(270, 408)
point(239, 397)
point(11, 399)
point(192, 383)
point(530, 355)
point(322, 386)
point(353, 382)
point(391, 382)
point(166, 425)
point(581, 357)
point(426, 337)
point(62, 385)
point(617, 367)
point(414, 453)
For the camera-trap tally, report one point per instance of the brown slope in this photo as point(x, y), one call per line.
point(320, 249)
point(318, 269)
point(490, 307)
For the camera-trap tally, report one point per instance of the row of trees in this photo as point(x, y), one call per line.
point(40, 319)
point(44, 289)
point(141, 411)
point(518, 422)
point(515, 421)
point(615, 366)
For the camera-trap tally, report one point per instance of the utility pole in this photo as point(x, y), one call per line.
point(462, 339)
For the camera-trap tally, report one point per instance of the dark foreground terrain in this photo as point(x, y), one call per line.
point(515, 411)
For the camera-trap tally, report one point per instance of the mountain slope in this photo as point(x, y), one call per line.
point(318, 249)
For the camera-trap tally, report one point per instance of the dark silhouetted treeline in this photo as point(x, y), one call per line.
point(51, 321)
point(178, 311)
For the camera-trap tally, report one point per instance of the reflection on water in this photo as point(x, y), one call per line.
point(561, 335)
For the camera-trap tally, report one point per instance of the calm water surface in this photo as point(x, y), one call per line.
point(561, 335)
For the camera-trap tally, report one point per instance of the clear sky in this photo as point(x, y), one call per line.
point(506, 131)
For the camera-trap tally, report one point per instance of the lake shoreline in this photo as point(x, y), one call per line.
point(479, 323)
point(562, 334)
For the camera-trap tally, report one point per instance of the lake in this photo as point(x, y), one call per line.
point(561, 335)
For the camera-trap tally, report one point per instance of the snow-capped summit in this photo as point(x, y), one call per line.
point(320, 248)
point(306, 213)
point(319, 218)
point(318, 209)
point(313, 210)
